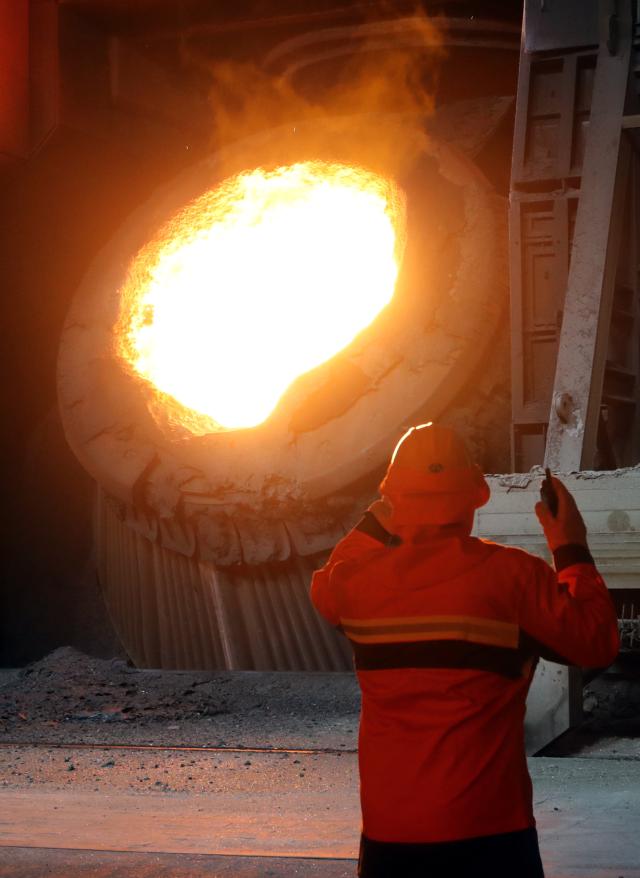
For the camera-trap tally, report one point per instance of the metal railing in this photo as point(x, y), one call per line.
point(629, 628)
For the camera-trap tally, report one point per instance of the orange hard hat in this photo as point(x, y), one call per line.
point(431, 478)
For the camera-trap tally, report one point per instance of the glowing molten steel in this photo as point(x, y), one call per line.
point(255, 283)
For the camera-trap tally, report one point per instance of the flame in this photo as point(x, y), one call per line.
point(256, 282)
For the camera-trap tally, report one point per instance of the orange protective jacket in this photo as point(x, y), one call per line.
point(446, 630)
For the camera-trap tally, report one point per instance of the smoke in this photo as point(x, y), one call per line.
point(313, 86)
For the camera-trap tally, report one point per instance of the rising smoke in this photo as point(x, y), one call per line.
point(386, 67)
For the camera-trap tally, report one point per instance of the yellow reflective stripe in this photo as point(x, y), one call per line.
point(403, 620)
point(460, 634)
point(418, 628)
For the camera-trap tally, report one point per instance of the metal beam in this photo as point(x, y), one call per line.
point(573, 422)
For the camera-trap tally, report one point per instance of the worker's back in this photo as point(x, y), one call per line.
point(444, 679)
point(446, 631)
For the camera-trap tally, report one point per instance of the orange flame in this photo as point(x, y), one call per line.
point(256, 282)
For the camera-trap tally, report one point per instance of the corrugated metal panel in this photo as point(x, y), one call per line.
point(172, 611)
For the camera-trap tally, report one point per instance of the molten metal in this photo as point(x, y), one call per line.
point(256, 282)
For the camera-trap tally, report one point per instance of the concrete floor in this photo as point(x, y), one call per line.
point(277, 816)
point(36, 863)
point(75, 804)
point(588, 816)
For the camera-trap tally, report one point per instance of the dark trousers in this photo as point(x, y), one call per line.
point(508, 855)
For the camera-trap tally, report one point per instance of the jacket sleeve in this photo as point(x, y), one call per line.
point(567, 614)
point(356, 543)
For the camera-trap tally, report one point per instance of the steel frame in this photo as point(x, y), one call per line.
point(572, 209)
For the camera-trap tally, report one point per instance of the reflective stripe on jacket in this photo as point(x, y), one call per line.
point(446, 634)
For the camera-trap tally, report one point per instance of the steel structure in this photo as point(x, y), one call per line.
point(575, 297)
point(573, 227)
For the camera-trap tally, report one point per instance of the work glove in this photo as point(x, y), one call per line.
point(568, 527)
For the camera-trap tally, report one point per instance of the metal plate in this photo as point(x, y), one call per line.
point(560, 24)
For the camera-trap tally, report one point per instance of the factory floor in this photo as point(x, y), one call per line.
point(273, 818)
point(99, 779)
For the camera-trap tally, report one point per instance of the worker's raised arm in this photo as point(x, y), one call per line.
point(569, 613)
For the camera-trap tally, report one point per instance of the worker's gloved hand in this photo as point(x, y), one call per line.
point(382, 510)
point(568, 526)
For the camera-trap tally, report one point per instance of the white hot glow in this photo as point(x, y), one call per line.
point(258, 281)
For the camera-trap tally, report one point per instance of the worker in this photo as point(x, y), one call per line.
point(446, 630)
